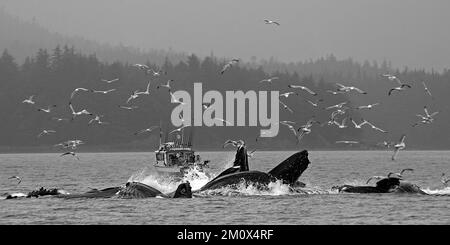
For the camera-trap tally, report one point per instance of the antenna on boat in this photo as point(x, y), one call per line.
point(160, 132)
point(191, 137)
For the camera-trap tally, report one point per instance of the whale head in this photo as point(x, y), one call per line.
point(388, 184)
point(292, 168)
point(184, 190)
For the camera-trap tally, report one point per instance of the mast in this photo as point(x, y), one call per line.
point(191, 137)
point(160, 132)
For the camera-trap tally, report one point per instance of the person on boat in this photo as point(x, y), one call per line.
point(241, 158)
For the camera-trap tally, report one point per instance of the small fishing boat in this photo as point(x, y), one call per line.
point(177, 157)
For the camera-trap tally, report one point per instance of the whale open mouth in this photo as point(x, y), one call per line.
point(290, 170)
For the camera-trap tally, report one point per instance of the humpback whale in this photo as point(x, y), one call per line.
point(38, 193)
point(135, 190)
point(130, 190)
point(240, 163)
point(386, 185)
point(288, 172)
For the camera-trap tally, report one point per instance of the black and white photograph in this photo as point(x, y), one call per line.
point(210, 113)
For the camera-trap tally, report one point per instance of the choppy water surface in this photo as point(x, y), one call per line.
point(245, 206)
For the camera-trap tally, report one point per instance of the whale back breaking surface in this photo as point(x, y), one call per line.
point(138, 190)
point(292, 168)
point(388, 184)
point(104, 193)
point(405, 187)
point(237, 178)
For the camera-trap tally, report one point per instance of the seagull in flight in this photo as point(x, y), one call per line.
point(29, 100)
point(103, 92)
point(76, 91)
point(178, 129)
point(17, 178)
point(302, 88)
point(146, 92)
point(48, 110)
point(287, 94)
point(305, 129)
point(229, 65)
point(128, 107)
point(286, 107)
point(401, 88)
point(359, 125)
point(392, 78)
point(400, 175)
point(70, 153)
point(110, 81)
point(343, 88)
point(427, 118)
point(269, 80)
point(288, 124)
point(375, 177)
point(224, 121)
point(175, 100)
point(367, 106)
point(97, 119)
point(133, 96)
point(206, 105)
point(341, 125)
point(347, 142)
point(337, 112)
point(156, 73)
point(166, 85)
point(142, 67)
point(376, 128)
point(271, 22)
point(399, 146)
point(339, 106)
point(60, 119)
point(79, 113)
point(335, 92)
point(427, 90)
point(45, 132)
point(70, 143)
point(235, 143)
point(146, 130)
point(386, 144)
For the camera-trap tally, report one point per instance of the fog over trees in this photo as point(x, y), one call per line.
point(50, 66)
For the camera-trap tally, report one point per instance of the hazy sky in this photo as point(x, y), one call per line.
point(415, 33)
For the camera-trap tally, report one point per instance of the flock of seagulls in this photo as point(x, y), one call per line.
point(71, 145)
point(339, 109)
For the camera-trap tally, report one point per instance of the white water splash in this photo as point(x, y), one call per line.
point(166, 184)
point(251, 189)
point(444, 191)
point(196, 177)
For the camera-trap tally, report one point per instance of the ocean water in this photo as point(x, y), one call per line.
point(247, 205)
